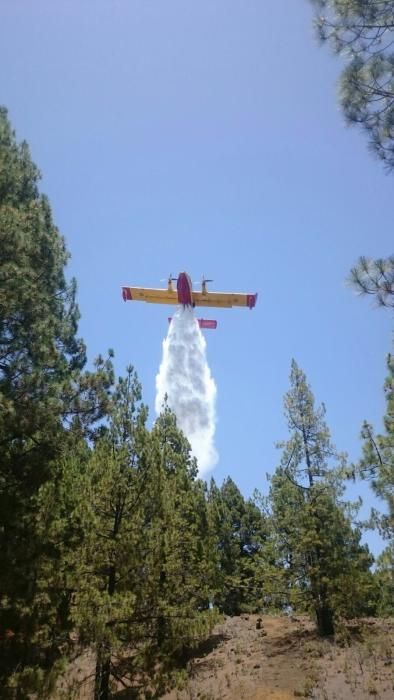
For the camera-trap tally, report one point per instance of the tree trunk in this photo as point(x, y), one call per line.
point(103, 672)
point(325, 621)
point(103, 657)
point(161, 620)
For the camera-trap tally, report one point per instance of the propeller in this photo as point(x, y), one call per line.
point(203, 279)
point(170, 278)
point(204, 283)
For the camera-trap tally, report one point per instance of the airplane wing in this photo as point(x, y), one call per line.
point(153, 296)
point(224, 299)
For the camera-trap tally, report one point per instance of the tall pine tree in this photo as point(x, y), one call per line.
point(377, 463)
point(47, 401)
point(240, 533)
point(362, 31)
point(140, 573)
point(320, 560)
point(107, 565)
point(186, 578)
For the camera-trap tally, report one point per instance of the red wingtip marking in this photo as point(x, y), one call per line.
point(251, 300)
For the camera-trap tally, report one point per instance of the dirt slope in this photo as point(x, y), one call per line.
point(277, 658)
point(273, 658)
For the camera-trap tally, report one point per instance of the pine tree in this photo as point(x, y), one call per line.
point(47, 402)
point(141, 572)
point(319, 555)
point(377, 463)
point(186, 563)
point(384, 579)
point(240, 531)
point(375, 278)
point(107, 566)
point(361, 31)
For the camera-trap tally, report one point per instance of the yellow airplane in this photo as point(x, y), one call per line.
point(184, 294)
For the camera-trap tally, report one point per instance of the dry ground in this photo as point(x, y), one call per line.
point(286, 659)
point(278, 658)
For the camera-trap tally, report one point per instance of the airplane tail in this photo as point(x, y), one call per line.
point(202, 322)
point(207, 323)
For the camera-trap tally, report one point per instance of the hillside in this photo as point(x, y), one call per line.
point(285, 659)
point(278, 658)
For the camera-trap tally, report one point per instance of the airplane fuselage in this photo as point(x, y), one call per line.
point(184, 289)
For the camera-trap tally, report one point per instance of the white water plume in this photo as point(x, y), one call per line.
point(184, 376)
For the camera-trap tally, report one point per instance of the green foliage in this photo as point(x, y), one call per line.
point(376, 278)
point(377, 463)
point(384, 579)
point(47, 405)
point(362, 32)
point(319, 561)
point(106, 566)
point(141, 572)
point(183, 540)
point(240, 531)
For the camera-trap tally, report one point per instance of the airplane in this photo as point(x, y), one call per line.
point(184, 295)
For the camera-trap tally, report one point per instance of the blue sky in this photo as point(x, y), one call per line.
point(205, 136)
